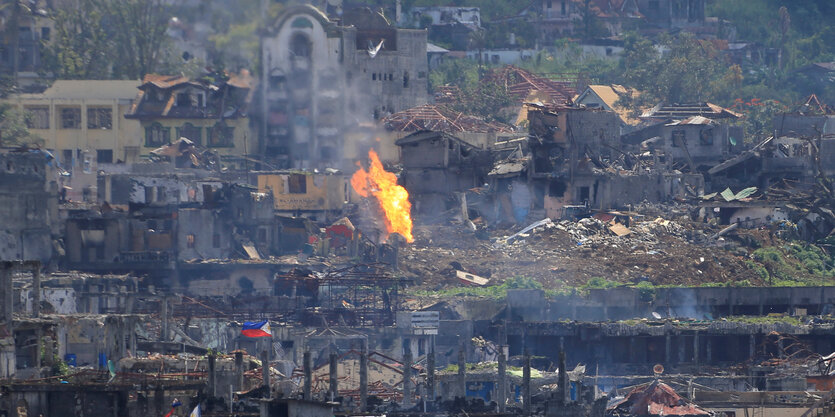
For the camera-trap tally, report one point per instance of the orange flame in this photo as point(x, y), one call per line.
point(393, 199)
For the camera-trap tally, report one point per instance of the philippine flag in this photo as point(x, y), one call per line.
point(195, 412)
point(256, 329)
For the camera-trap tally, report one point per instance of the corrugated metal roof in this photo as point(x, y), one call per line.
point(682, 111)
point(656, 399)
point(695, 120)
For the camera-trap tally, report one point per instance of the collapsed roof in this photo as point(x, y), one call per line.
point(655, 399)
point(683, 111)
point(440, 119)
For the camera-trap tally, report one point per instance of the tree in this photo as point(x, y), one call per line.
point(81, 46)
point(690, 70)
point(13, 130)
point(589, 18)
point(101, 39)
point(138, 29)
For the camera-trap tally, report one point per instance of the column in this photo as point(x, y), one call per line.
point(502, 382)
point(308, 375)
point(36, 289)
point(212, 375)
point(462, 373)
point(265, 372)
point(333, 377)
point(407, 378)
point(526, 384)
point(363, 381)
point(239, 370)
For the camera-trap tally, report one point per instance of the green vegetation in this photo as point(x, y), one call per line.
point(690, 69)
point(59, 367)
point(796, 264)
point(601, 283)
point(493, 291)
point(101, 39)
point(482, 98)
point(792, 320)
point(482, 366)
point(13, 127)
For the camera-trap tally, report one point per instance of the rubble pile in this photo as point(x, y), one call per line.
point(568, 253)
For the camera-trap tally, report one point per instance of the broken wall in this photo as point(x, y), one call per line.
point(203, 234)
point(227, 279)
point(302, 191)
point(28, 206)
point(803, 125)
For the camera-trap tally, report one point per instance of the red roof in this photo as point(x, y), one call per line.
point(656, 399)
point(440, 119)
point(447, 94)
point(519, 83)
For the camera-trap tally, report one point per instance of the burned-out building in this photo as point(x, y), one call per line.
point(28, 205)
point(573, 157)
point(321, 75)
point(436, 165)
point(211, 112)
point(696, 142)
point(320, 196)
point(811, 119)
point(474, 130)
point(153, 222)
point(691, 137)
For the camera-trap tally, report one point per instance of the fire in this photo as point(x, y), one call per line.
point(393, 199)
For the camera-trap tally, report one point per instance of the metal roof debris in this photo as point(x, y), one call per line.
point(655, 399)
point(441, 119)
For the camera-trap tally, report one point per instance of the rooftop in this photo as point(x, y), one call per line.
point(89, 90)
point(521, 83)
point(440, 119)
point(683, 111)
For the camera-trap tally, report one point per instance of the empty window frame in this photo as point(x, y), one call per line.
point(37, 117)
point(71, 118)
point(99, 118)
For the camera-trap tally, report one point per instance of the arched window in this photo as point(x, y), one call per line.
point(300, 45)
point(190, 132)
point(301, 23)
point(156, 135)
point(221, 136)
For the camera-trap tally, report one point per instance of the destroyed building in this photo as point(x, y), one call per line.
point(436, 165)
point(29, 201)
point(610, 97)
point(212, 111)
point(655, 399)
point(320, 196)
point(810, 119)
point(575, 159)
point(315, 68)
point(473, 130)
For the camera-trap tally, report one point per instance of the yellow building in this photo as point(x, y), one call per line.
point(82, 121)
point(298, 193)
point(211, 114)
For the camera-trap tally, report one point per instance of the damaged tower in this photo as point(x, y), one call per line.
point(321, 76)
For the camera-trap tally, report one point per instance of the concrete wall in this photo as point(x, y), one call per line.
point(321, 192)
point(28, 207)
point(203, 234)
point(124, 138)
point(699, 303)
point(800, 125)
point(244, 140)
point(310, 97)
